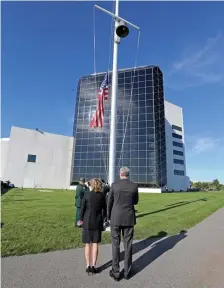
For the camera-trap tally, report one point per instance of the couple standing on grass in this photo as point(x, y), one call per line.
point(120, 212)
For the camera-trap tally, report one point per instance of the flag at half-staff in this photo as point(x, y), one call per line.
point(98, 117)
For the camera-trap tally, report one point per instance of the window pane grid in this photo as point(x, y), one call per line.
point(180, 153)
point(31, 158)
point(144, 144)
point(176, 127)
point(178, 161)
point(177, 136)
point(177, 144)
point(178, 172)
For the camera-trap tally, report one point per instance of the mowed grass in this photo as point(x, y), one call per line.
point(39, 221)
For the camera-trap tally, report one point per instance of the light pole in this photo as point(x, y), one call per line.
point(120, 31)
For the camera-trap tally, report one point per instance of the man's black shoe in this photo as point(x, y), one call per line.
point(127, 277)
point(113, 276)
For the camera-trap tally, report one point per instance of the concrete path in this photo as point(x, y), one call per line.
point(192, 260)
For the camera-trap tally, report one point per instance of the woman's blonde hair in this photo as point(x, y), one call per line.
point(96, 185)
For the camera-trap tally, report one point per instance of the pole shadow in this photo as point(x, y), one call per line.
point(187, 202)
point(175, 205)
point(156, 251)
point(20, 200)
point(181, 202)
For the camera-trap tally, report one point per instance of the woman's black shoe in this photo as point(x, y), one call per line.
point(95, 270)
point(88, 270)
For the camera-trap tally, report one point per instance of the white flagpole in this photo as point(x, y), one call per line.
point(113, 121)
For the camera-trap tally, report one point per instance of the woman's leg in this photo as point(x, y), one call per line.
point(94, 253)
point(88, 254)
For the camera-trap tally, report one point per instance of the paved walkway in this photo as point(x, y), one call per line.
point(192, 260)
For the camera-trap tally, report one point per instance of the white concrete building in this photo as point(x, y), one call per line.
point(37, 159)
point(3, 155)
point(31, 158)
point(177, 179)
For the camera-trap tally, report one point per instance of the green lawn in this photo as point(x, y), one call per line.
point(37, 221)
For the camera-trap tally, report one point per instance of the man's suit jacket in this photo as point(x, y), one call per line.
point(122, 197)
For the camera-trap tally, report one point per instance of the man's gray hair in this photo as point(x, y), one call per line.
point(124, 171)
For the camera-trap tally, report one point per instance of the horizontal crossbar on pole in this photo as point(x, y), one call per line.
point(116, 17)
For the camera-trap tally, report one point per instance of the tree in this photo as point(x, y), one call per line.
point(216, 184)
point(208, 186)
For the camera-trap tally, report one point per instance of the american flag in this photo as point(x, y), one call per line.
point(97, 120)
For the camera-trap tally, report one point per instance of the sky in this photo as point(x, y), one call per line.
point(48, 46)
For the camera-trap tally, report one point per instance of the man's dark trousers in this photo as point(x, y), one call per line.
point(127, 233)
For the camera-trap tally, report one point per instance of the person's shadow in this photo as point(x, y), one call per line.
point(152, 254)
point(156, 251)
point(137, 247)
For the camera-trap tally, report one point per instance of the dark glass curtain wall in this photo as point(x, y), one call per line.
point(140, 128)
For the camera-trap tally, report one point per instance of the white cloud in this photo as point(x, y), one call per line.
point(205, 156)
point(205, 144)
point(204, 65)
point(201, 144)
point(198, 58)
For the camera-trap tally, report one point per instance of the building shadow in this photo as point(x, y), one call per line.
point(156, 251)
point(137, 247)
point(172, 206)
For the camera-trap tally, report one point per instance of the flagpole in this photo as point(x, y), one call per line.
point(113, 121)
point(119, 23)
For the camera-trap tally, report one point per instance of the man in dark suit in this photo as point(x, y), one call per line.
point(81, 189)
point(122, 197)
point(105, 189)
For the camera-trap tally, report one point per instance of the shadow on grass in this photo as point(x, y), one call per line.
point(137, 247)
point(20, 200)
point(181, 202)
point(171, 206)
point(5, 190)
point(187, 202)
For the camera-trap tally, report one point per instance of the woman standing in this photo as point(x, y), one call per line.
point(93, 214)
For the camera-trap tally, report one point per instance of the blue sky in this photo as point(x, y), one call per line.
point(47, 46)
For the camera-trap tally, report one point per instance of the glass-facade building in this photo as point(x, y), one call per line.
point(141, 143)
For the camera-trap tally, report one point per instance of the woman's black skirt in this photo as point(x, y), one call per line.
point(91, 236)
